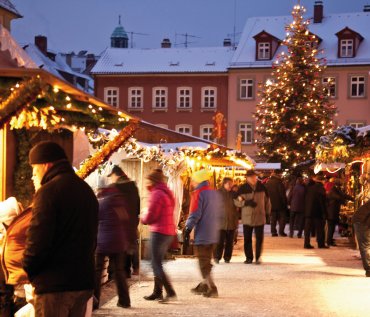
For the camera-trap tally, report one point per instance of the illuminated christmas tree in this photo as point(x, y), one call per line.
point(295, 110)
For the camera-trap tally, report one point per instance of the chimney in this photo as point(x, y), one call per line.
point(166, 43)
point(90, 61)
point(42, 43)
point(366, 8)
point(227, 42)
point(318, 12)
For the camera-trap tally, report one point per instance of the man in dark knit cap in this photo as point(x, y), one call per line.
point(59, 253)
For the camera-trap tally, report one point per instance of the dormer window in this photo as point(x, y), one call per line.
point(264, 50)
point(346, 48)
point(266, 46)
point(348, 43)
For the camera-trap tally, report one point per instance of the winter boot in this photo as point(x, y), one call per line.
point(200, 289)
point(157, 292)
point(171, 295)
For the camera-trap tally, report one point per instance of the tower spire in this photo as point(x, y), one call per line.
point(119, 20)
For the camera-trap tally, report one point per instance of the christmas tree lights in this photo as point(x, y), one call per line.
point(295, 110)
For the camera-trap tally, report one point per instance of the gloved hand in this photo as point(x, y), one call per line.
point(186, 233)
point(250, 203)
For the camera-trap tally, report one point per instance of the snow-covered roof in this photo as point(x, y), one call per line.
point(54, 67)
point(245, 54)
point(8, 43)
point(164, 60)
point(364, 131)
point(7, 5)
point(267, 166)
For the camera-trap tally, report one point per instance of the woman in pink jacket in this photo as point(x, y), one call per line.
point(162, 227)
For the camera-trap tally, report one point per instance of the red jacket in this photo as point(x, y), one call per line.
point(160, 213)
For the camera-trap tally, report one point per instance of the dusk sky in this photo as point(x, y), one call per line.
point(74, 25)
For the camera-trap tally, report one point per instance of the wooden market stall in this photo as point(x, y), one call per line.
point(347, 151)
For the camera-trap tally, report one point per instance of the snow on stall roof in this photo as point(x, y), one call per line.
point(364, 131)
point(54, 67)
point(6, 4)
point(164, 60)
point(359, 22)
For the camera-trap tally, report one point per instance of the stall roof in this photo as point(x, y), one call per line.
point(146, 132)
point(267, 166)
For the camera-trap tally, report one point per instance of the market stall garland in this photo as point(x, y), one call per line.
point(14, 99)
point(343, 145)
point(32, 103)
point(169, 160)
point(101, 156)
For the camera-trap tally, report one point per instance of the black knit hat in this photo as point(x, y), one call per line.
point(46, 152)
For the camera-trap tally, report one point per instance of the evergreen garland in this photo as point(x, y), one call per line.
point(23, 185)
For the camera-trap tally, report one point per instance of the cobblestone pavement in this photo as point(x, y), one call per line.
point(291, 281)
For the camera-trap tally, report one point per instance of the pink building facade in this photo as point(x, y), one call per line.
point(345, 40)
point(176, 88)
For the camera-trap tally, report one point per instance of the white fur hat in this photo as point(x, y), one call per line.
point(9, 209)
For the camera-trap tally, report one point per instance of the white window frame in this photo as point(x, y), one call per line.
point(110, 97)
point(206, 135)
point(356, 81)
point(244, 131)
point(332, 87)
point(181, 98)
point(207, 98)
point(180, 127)
point(263, 50)
point(133, 98)
point(346, 48)
point(357, 124)
point(246, 88)
point(164, 97)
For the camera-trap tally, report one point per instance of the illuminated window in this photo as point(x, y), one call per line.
point(246, 130)
point(209, 97)
point(184, 98)
point(330, 86)
point(111, 96)
point(206, 132)
point(159, 97)
point(357, 86)
point(246, 88)
point(135, 98)
point(263, 50)
point(357, 125)
point(184, 129)
point(346, 48)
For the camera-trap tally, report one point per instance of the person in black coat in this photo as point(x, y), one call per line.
point(131, 197)
point(315, 211)
point(61, 239)
point(279, 203)
point(112, 241)
point(297, 207)
point(335, 198)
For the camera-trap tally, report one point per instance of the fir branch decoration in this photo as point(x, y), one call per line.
point(107, 150)
point(21, 95)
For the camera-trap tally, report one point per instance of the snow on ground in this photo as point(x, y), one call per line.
point(291, 281)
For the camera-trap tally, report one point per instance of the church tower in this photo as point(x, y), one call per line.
point(119, 36)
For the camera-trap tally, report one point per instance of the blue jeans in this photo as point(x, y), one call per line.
point(159, 246)
point(363, 238)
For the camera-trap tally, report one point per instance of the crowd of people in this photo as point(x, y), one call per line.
point(54, 251)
